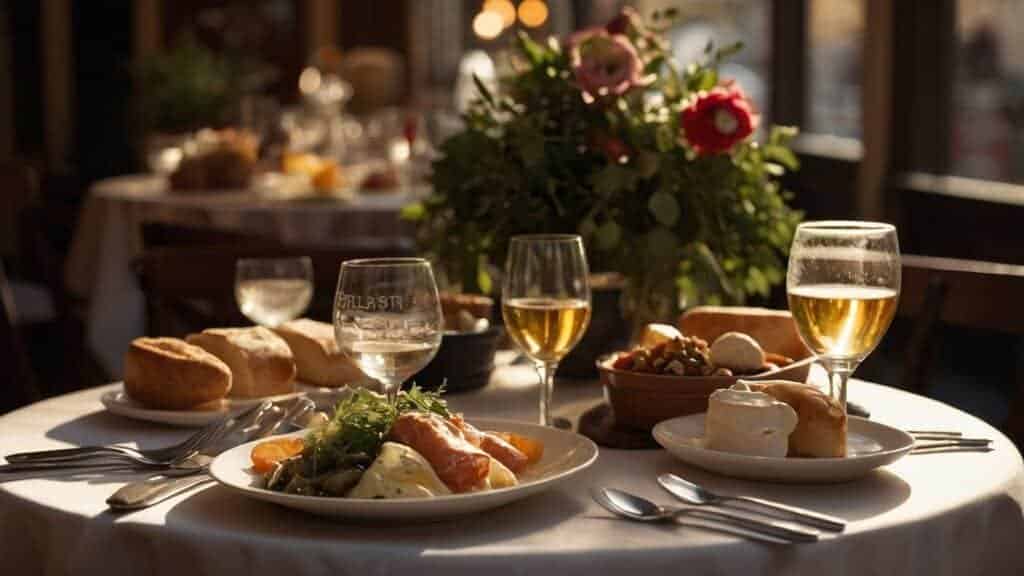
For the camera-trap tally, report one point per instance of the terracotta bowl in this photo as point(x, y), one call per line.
point(641, 400)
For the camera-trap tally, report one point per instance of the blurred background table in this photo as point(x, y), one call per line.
point(107, 239)
point(936, 514)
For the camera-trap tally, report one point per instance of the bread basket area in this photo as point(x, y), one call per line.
point(639, 400)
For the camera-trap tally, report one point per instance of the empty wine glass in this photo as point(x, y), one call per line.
point(843, 283)
point(271, 291)
point(387, 317)
point(546, 302)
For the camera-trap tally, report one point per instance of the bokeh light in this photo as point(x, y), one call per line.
point(488, 25)
point(504, 8)
point(533, 13)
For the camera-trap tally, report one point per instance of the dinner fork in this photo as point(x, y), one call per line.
point(151, 457)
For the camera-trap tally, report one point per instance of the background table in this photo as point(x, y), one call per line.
point(953, 513)
point(107, 239)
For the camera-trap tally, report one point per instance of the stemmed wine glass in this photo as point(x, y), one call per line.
point(270, 291)
point(843, 283)
point(546, 302)
point(387, 317)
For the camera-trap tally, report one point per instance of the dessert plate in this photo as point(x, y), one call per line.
point(116, 401)
point(566, 454)
point(869, 444)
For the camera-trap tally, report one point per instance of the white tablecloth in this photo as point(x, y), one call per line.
point(108, 238)
point(940, 514)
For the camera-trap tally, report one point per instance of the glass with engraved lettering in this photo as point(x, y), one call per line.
point(387, 317)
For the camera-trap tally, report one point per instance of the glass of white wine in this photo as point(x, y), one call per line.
point(270, 291)
point(546, 302)
point(843, 284)
point(387, 317)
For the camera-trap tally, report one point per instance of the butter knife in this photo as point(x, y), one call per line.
point(145, 493)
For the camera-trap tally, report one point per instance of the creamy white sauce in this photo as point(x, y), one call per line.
point(739, 420)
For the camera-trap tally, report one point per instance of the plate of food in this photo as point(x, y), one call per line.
point(193, 381)
point(411, 460)
point(673, 370)
point(781, 432)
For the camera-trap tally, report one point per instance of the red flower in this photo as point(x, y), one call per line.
point(621, 24)
point(604, 64)
point(713, 122)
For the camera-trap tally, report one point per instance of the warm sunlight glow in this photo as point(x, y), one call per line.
point(487, 25)
point(533, 13)
point(504, 8)
point(309, 80)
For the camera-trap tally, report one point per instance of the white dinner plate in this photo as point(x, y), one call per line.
point(869, 445)
point(117, 402)
point(565, 455)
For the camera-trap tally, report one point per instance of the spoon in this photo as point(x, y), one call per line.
point(695, 494)
point(636, 508)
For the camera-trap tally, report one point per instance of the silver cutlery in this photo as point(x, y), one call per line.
point(137, 495)
point(935, 441)
point(640, 509)
point(152, 457)
point(698, 495)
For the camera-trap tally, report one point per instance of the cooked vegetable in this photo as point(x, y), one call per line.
point(266, 455)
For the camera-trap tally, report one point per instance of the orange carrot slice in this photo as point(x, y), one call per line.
point(266, 454)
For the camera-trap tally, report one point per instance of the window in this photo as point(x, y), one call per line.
point(835, 29)
point(988, 91)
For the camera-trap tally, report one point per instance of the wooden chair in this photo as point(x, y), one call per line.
point(17, 381)
point(970, 294)
point(189, 285)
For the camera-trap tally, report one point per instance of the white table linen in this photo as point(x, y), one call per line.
point(107, 239)
point(940, 514)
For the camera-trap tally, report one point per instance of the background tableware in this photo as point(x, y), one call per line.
point(546, 302)
point(566, 454)
point(843, 282)
point(464, 361)
point(636, 508)
point(640, 400)
point(387, 317)
point(117, 402)
point(869, 445)
point(270, 291)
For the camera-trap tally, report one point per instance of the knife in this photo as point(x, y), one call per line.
point(145, 493)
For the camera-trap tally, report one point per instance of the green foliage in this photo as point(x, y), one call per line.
point(186, 87)
point(533, 158)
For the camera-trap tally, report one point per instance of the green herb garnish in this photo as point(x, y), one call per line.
point(361, 423)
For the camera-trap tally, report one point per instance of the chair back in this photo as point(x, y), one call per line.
point(189, 279)
point(968, 294)
point(17, 381)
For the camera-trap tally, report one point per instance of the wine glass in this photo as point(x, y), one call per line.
point(270, 291)
point(387, 317)
point(546, 302)
point(843, 283)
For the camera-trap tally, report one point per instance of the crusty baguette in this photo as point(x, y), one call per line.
point(170, 374)
point(261, 362)
point(317, 357)
point(821, 430)
point(774, 330)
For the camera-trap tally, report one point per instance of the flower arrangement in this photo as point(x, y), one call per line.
point(655, 166)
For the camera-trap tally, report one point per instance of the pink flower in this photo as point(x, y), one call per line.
point(714, 121)
point(604, 64)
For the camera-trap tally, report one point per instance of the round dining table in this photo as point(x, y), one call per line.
point(951, 513)
point(108, 238)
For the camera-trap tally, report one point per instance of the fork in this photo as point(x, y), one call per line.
point(151, 457)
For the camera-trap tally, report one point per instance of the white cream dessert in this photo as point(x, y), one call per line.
point(754, 423)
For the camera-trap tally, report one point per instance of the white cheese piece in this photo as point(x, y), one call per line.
point(754, 423)
point(399, 472)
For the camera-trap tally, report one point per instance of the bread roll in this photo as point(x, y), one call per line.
point(774, 330)
point(317, 357)
point(821, 430)
point(261, 362)
point(170, 374)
